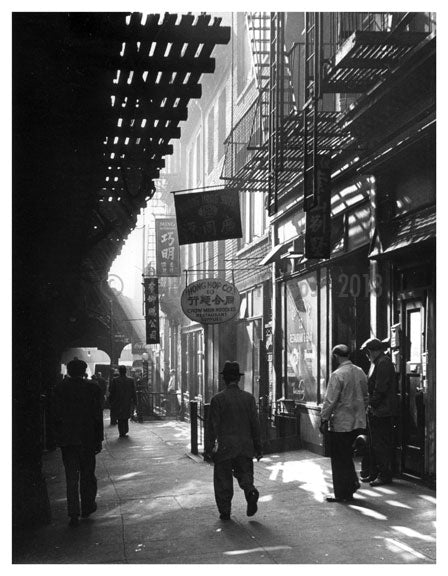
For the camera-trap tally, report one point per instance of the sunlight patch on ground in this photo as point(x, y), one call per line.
point(385, 490)
point(127, 476)
point(413, 533)
point(398, 504)
point(266, 498)
point(252, 550)
point(428, 498)
point(368, 512)
point(406, 552)
point(370, 493)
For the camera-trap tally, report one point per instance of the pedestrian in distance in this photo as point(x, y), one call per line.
point(344, 413)
point(232, 440)
point(122, 399)
point(79, 433)
point(380, 412)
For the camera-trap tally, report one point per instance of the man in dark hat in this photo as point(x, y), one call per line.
point(380, 412)
point(79, 433)
point(344, 407)
point(233, 423)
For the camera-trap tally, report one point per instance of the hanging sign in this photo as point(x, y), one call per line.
point(151, 286)
point(318, 217)
point(208, 216)
point(167, 247)
point(210, 301)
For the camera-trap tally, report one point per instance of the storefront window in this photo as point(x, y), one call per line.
point(302, 339)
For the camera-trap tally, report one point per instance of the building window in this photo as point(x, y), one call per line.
point(210, 140)
point(222, 123)
point(244, 68)
point(253, 215)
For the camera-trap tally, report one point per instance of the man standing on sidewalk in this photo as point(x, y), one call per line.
point(122, 399)
point(233, 423)
point(344, 409)
point(380, 413)
point(79, 433)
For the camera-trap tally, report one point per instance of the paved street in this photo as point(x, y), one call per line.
point(156, 506)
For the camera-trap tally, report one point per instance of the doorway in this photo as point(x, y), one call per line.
point(413, 382)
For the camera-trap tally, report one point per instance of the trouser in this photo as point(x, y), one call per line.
point(123, 426)
point(242, 468)
point(79, 463)
point(345, 479)
point(381, 446)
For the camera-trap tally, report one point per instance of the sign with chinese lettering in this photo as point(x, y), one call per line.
point(208, 216)
point(318, 217)
point(152, 310)
point(167, 247)
point(210, 301)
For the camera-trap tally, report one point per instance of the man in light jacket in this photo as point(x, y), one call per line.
point(344, 409)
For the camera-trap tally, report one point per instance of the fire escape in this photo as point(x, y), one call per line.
point(346, 55)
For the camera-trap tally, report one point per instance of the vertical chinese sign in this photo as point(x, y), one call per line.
point(318, 217)
point(152, 310)
point(167, 247)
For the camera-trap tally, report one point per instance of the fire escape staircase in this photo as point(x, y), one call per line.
point(346, 54)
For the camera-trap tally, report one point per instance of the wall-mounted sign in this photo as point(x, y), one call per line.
point(318, 217)
point(167, 247)
point(152, 310)
point(208, 216)
point(210, 301)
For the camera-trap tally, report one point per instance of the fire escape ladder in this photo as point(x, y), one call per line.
point(313, 67)
point(259, 27)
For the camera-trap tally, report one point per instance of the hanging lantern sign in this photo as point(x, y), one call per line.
point(210, 301)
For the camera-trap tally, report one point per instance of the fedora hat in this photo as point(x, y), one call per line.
point(231, 370)
point(373, 344)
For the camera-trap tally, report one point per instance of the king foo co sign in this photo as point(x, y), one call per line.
point(210, 301)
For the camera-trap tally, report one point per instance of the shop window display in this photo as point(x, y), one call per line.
point(302, 339)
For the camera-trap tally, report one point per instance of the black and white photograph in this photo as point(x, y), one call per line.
point(223, 286)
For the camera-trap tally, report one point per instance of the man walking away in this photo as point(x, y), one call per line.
point(122, 399)
point(233, 424)
point(79, 433)
point(380, 412)
point(344, 409)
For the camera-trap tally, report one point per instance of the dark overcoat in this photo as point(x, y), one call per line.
point(122, 397)
point(233, 423)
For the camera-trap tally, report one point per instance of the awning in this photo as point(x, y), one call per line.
point(275, 253)
point(406, 231)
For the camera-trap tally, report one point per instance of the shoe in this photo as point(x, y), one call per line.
point(380, 482)
point(252, 499)
point(334, 499)
point(368, 479)
point(74, 521)
point(224, 516)
point(86, 513)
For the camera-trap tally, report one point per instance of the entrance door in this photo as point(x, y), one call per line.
point(414, 385)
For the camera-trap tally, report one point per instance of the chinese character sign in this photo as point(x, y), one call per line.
point(318, 218)
point(152, 310)
point(210, 301)
point(167, 247)
point(208, 216)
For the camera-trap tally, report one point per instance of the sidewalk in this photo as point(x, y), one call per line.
point(156, 506)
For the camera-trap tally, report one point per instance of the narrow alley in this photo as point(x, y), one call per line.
point(156, 506)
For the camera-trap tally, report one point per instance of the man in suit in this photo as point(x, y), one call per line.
point(344, 409)
point(233, 423)
point(122, 399)
point(79, 433)
point(380, 412)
